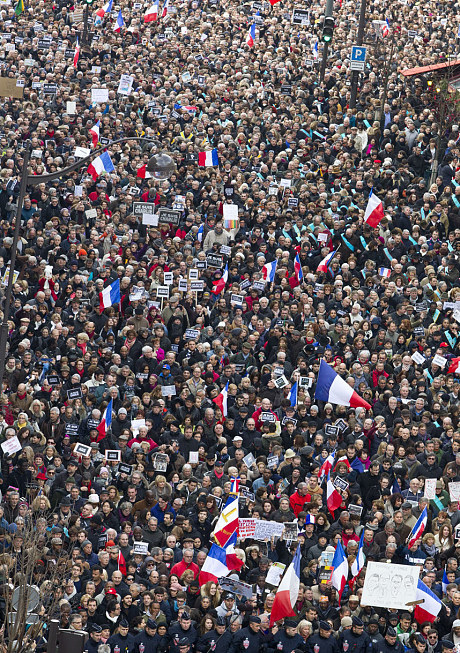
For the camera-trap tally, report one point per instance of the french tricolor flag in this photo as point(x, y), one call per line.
point(77, 54)
point(324, 265)
point(292, 396)
point(386, 28)
point(208, 159)
point(143, 173)
point(385, 272)
point(106, 421)
point(429, 609)
point(220, 284)
point(298, 269)
point(418, 528)
point(232, 560)
point(110, 295)
point(215, 565)
point(251, 37)
point(340, 574)
point(286, 596)
point(118, 23)
point(358, 564)
point(152, 12)
point(94, 131)
point(221, 400)
point(330, 387)
point(235, 485)
point(374, 211)
point(269, 271)
point(326, 467)
point(100, 13)
point(102, 163)
point(334, 498)
point(164, 13)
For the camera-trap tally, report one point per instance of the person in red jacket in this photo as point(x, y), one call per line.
point(299, 498)
point(186, 563)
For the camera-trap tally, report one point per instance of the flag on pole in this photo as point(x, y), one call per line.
point(298, 269)
point(227, 524)
point(143, 173)
point(454, 366)
point(152, 12)
point(110, 295)
point(164, 12)
point(199, 235)
point(429, 609)
point(334, 498)
point(235, 485)
point(94, 131)
point(215, 565)
point(221, 400)
point(386, 28)
point(76, 55)
point(119, 23)
point(292, 396)
point(340, 574)
point(288, 591)
point(445, 582)
point(100, 13)
point(232, 560)
point(121, 563)
point(269, 271)
point(105, 422)
point(324, 265)
point(220, 284)
point(18, 10)
point(330, 387)
point(315, 51)
point(374, 211)
point(419, 526)
point(358, 564)
point(208, 159)
point(326, 467)
point(251, 36)
point(102, 163)
point(273, 2)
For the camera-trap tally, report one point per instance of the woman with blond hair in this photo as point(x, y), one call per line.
point(211, 590)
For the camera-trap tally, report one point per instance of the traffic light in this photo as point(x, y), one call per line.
point(89, 2)
point(328, 29)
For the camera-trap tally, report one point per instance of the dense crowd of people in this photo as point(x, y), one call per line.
point(199, 379)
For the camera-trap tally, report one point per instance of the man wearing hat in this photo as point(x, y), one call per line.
point(180, 629)
point(323, 641)
point(355, 639)
point(94, 639)
point(391, 644)
point(147, 640)
point(250, 639)
point(121, 641)
point(218, 635)
point(287, 639)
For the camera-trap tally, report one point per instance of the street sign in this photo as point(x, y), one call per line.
point(358, 57)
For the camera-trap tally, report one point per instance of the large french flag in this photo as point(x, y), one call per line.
point(418, 528)
point(208, 159)
point(374, 211)
point(143, 173)
point(334, 498)
point(94, 131)
point(358, 564)
point(340, 574)
point(330, 387)
point(220, 284)
point(152, 12)
point(106, 421)
point(221, 400)
point(324, 265)
point(288, 591)
point(164, 12)
point(110, 295)
point(227, 524)
point(102, 163)
point(326, 467)
point(232, 560)
point(454, 367)
point(118, 23)
point(298, 269)
point(215, 565)
point(269, 271)
point(429, 609)
point(251, 37)
point(100, 13)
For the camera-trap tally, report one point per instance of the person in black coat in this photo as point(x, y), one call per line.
point(122, 641)
point(147, 641)
point(250, 639)
point(355, 639)
point(220, 637)
point(94, 639)
point(180, 629)
point(287, 639)
point(323, 641)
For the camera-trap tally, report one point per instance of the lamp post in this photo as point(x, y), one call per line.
point(161, 166)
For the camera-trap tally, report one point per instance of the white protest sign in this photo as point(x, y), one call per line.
point(81, 152)
point(126, 84)
point(71, 108)
point(141, 547)
point(418, 358)
point(430, 488)
point(168, 390)
point(390, 586)
point(249, 460)
point(193, 457)
point(454, 491)
point(11, 445)
point(274, 573)
point(267, 529)
point(99, 95)
point(78, 192)
point(439, 360)
point(230, 212)
point(285, 183)
point(150, 219)
point(168, 278)
point(246, 528)
point(456, 315)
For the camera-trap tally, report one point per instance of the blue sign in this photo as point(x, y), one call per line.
point(358, 53)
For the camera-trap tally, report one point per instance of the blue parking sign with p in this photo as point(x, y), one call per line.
point(358, 53)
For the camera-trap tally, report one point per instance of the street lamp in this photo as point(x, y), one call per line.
point(160, 165)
